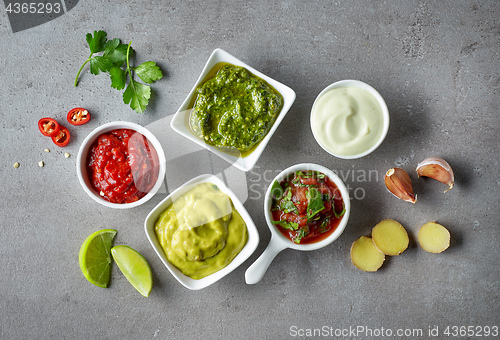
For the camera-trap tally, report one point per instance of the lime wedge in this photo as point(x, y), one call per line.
point(135, 268)
point(95, 257)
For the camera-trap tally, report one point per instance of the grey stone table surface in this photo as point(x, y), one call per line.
point(436, 63)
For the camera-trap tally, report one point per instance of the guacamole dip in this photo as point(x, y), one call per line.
point(201, 232)
point(234, 109)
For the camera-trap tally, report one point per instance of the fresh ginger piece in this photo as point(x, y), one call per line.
point(390, 237)
point(433, 237)
point(365, 255)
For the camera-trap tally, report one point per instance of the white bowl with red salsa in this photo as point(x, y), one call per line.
point(307, 204)
point(121, 165)
point(306, 207)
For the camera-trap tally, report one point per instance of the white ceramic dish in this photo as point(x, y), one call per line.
point(278, 241)
point(81, 160)
point(246, 252)
point(381, 101)
point(180, 121)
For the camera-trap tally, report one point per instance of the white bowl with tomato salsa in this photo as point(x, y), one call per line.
point(244, 161)
point(121, 165)
point(306, 207)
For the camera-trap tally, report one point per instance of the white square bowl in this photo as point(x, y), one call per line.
point(180, 121)
point(246, 252)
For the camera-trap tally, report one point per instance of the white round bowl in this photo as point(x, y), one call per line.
point(245, 253)
point(280, 242)
point(81, 163)
point(380, 100)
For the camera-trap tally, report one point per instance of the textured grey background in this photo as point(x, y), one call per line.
point(435, 62)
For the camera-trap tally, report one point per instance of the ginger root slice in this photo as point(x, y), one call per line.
point(433, 237)
point(365, 255)
point(390, 237)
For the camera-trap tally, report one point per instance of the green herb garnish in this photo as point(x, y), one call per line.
point(286, 204)
point(298, 183)
point(277, 191)
point(288, 207)
point(310, 174)
point(300, 234)
point(324, 226)
point(339, 215)
point(116, 56)
point(286, 224)
point(315, 204)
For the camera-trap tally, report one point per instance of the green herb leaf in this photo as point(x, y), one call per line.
point(96, 42)
point(137, 95)
point(299, 174)
point(277, 191)
point(315, 204)
point(112, 60)
point(116, 52)
point(310, 174)
point(118, 78)
point(286, 204)
point(301, 233)
point(99, 63)
point(288, 207)
point(111, 45)
point(339, 215)
point(324, 226)
point(286, 224)
point(148, 72)
point(319, 175)
point(298, 183)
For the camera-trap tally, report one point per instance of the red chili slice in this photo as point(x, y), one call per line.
point(48, 127)
point(78, 116)
point(62, 137)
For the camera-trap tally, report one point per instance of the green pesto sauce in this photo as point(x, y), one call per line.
point(235, 109)
point(201, 232)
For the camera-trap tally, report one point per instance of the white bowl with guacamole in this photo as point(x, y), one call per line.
point(201, 232)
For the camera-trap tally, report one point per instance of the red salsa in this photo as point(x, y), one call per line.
point(122, 165)
point(307, 206)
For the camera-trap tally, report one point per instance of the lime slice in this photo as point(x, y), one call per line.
point(135, 268)
point(95, 257)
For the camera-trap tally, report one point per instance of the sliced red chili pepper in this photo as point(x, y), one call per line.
point(48, 127)
point(62, 137)
point(78, 116)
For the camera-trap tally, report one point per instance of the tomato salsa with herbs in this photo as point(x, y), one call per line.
point(122, 165)
point(234, 109)
point(307, 206)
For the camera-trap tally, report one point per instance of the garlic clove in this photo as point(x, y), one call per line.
point(398, 182)
point(437, 168)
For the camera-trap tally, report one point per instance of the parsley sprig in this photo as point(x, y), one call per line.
point(115, 60)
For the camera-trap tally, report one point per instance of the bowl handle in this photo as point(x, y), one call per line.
point(257, 270)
